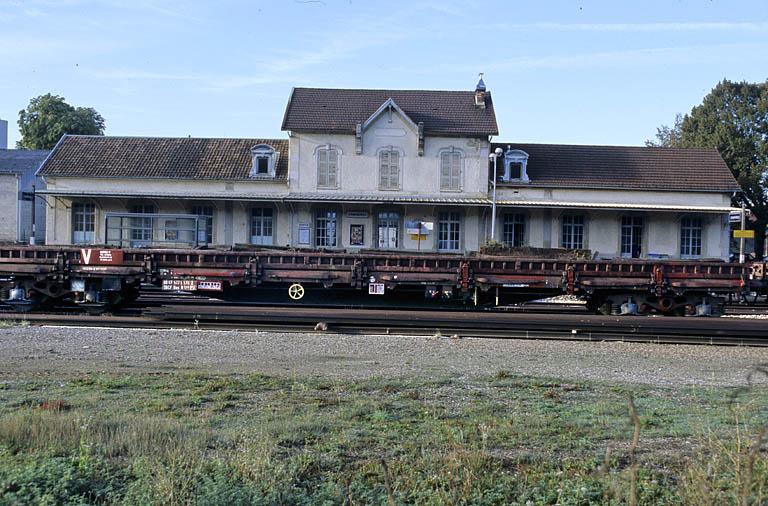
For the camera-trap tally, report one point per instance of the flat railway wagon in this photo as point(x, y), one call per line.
point(99, 279)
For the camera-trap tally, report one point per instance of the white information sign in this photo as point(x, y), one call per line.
point(376, 289)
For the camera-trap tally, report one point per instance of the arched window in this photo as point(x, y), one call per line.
point(264, 158)
point(451, 169)
point(327, 166)
point(390, 161)
point(515, 166)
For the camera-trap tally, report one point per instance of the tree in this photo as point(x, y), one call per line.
point(733, 118)
point(48, 117)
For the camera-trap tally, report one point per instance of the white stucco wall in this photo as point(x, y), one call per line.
point(614, 196)
point(161, 187)
point(9, 207)
point(360, 173)
point(661, 235)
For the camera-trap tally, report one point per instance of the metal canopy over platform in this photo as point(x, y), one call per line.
point(395, 199)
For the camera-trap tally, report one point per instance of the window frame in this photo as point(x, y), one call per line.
point(457, 159)
point(389, 151)
point(84, 222)
point(515, 156)
point(143, 226)
point(523, 224)
point(261, 152)
point(451, 218)
point(384, 215)
point(622, 227)
point(324, 180)
point(571, 243)
point(262, 220)
point(318, 238)
point(196, 210)
point(691, 241)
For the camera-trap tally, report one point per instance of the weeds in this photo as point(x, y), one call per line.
point(502, 440)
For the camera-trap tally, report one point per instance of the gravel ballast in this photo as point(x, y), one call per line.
point(41, 351)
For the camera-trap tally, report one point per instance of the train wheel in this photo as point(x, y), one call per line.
point(296, 291)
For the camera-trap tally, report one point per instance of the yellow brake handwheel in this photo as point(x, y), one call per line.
point(296, 291)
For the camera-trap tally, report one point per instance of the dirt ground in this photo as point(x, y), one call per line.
point(42, 351)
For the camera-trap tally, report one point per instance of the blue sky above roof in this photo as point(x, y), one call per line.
point(560, 72)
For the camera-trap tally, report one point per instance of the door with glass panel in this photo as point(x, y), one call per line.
point(325, 229)
point(142, 228)
point(388, 230)
point(632, 236)
point(449, 231)
point(262, 226)
point(83, 223)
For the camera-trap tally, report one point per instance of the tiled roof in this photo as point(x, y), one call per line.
point(159, 157)
point(630, 167)
point(21, 160)
point(450, 113)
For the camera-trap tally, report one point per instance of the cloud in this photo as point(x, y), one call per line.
point(346, 40)
point(684, 26)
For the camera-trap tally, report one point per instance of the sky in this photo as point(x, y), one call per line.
point(580, 72)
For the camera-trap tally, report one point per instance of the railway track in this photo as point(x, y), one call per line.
point(583, 327)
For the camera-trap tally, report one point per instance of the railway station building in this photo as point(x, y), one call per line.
point(394, 170)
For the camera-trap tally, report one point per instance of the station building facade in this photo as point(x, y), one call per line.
point(393, 170)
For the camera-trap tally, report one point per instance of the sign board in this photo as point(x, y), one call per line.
point(376, 289)
point(303, 233)
point(744, 234)
point(418, 227)
point(89, 256)
point(357, 214)
point(214, 286)
point(191, 285)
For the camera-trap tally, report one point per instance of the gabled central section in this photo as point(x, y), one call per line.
point(383, 120)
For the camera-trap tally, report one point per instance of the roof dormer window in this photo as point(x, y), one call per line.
point(264, 158)
point(515, 166)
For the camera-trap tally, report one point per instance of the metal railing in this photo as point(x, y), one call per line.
point(140, 230)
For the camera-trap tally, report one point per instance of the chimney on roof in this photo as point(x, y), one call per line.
point(480, 93)
point(3, 134)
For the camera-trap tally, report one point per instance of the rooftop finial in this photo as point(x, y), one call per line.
point(480, 83)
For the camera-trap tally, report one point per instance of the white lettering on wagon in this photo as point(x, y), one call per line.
point(191, 285)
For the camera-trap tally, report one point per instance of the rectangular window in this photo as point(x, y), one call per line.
point(327, 168)
point(448, 231)
point(262, 165)
point(632, 236)
point(205, 225)
point(387, 230)
point(83, 223)
point(513, 233)
point(142, 227)
point(389, 170)
point(450, 171)
point(690, 237)
point(573, 231)
point(325, 229)
point(262, 226)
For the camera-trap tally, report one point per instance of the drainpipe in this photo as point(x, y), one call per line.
point(741, 240)
point(494, 156)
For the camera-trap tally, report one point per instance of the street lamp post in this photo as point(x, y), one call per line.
point(494, 156)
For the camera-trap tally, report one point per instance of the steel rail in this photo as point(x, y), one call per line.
point(718, 331)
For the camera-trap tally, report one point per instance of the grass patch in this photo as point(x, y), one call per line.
point(5, 324)
point(252, 439)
